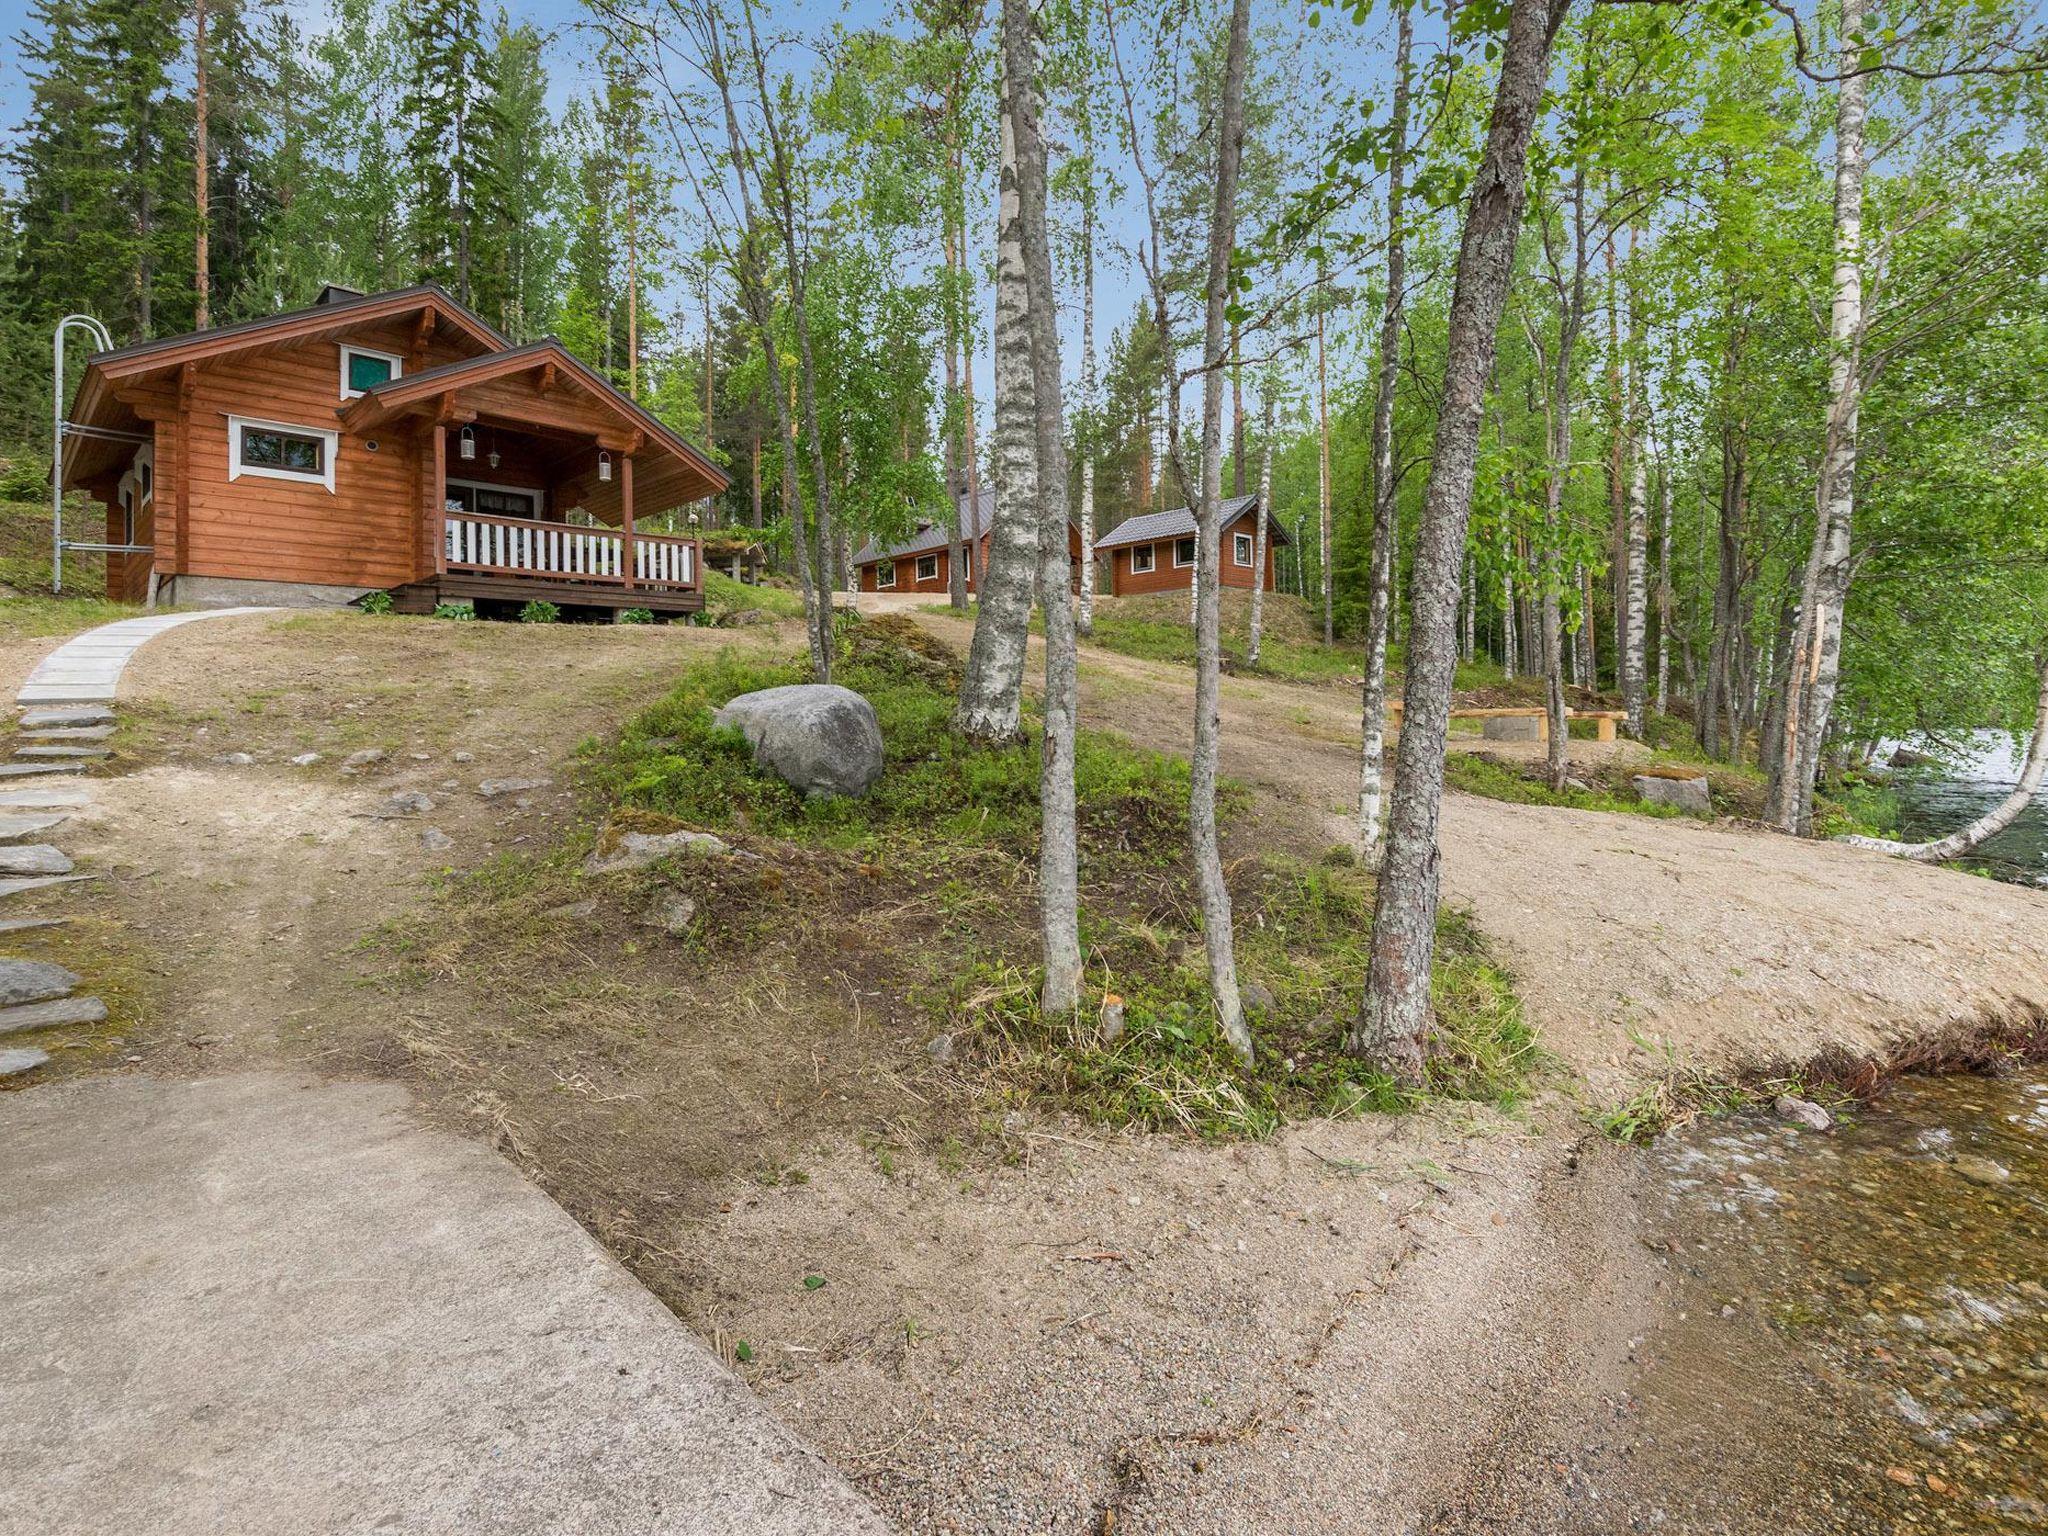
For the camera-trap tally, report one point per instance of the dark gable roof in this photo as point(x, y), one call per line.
point(323, 307)
point(1179, 523)
point(937, 536)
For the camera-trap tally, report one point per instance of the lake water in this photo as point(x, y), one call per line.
point(1933, 803)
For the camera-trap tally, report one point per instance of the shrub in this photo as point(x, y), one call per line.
point(454, 610)
point(636, 616)
point(539, 611)
point(25, 479)
point(375, 602)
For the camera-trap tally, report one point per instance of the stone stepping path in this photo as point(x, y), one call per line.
point(87, 670)
point(34, 859)
point(66, 714)
point(14, 828)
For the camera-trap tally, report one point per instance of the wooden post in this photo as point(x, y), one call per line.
point(626, 517)
point(437, 498)
point(181, 548)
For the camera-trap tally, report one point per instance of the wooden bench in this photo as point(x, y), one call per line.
point(1603, 719)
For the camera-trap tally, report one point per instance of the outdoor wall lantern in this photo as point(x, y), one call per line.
point(465, 444)
point(604, 465)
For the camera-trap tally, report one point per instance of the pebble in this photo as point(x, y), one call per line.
point(436, 840)
point(1980, 1170)
point(1797, 1111)
point(305, 759)
point(940, 1049)
point(407, 802)
point(356, 762)
point(671, 911)
point(465, 757)
point(491, 789)
point(235, 759)
point(573, 909)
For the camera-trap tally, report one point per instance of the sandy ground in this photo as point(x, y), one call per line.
point(1416, 1325)
point(1631, 937)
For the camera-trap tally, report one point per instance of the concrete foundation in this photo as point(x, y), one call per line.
point(1513, 728)
point(235, 592)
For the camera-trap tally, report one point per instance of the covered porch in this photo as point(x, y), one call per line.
point(536, 484)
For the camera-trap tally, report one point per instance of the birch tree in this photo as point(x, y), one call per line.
point(1035, 462)
point(1379, 597)
point(1393, 1020)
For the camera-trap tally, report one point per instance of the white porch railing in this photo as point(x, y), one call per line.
point(513, 546)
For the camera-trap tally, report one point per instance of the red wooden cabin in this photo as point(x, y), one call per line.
point(1155, 551)
point(924, 561)
point(388, 442)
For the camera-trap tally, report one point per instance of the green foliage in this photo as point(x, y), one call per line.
point(24, 479)
point(375, 602)
point(636, 616)
point(726, 600)
point(938, 785)
point(1476, 775)
point(539, 611)
point(460, 612)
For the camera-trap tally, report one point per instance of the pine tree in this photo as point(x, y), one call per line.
point(444, 59)
point(518, 240)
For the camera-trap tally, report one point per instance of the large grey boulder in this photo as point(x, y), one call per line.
point(817, 737)
point(1688, 795)
point(639, 850)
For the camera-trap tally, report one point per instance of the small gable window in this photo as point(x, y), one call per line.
point(363, 370)
point(1141, 559)
point(279, 451)
point(1241, 548)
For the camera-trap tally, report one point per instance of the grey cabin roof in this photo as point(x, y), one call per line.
point(935, 536)
point(1156, 527)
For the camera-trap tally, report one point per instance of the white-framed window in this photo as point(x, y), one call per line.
point(1184, 552)
point(1143, 557)
point(363, 369)
point(927, 567)
point(885, 573)
point(278, 450)
point(1241, 548)
point(487, 500)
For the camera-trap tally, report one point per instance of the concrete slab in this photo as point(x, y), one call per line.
point(34, 859)
point(61, 1010)
point(14, 829)
point(34, 770)
point(82, 715)
point(87, 670)
point(268, 1304)
point(11, 886)
point(43, 797)
point(68, 732)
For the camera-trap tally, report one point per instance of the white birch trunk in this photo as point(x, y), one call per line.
point(1260, 547)
point(1380, 592)
point(1636, 619)
point(1037, 446)
point(1085, 620)
point(992, 685)
point(1663, 584)
point(1323, 477)
point(1218, 939)
point(1507, 626)
point(2002, 815)
point(1824, 590)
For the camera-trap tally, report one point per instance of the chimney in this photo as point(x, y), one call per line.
point(337, 293)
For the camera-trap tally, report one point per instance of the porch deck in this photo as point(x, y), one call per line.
point(520, 560)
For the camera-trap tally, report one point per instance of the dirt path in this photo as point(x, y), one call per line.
point(1732, 947)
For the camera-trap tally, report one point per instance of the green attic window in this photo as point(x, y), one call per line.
point(362, 371)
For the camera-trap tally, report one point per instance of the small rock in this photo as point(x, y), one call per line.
point(940, 1049)
point(305, 759)
point(356, 762)
point(421, 757)
point(12, 1062)
point(60, 1010)
point(1798, 1111)
point(30, 981)
point(637, 850)
point(234, 759)
point(573, 910)
point(1980, 1170)
point(465, 757)
point(1258, 998)
point(671, 911)
point(1578, 784)
point(491, 789)
point(436, 841)
point(1112, 1021)
point(407, 802)
point(34, 859)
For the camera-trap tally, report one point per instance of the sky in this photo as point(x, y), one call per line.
point(1358, 58)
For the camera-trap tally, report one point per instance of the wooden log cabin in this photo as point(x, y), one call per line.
point(924, 561)
point(1155, 551)
point(386, 442)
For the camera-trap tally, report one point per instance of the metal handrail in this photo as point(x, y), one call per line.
point(97, 333)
